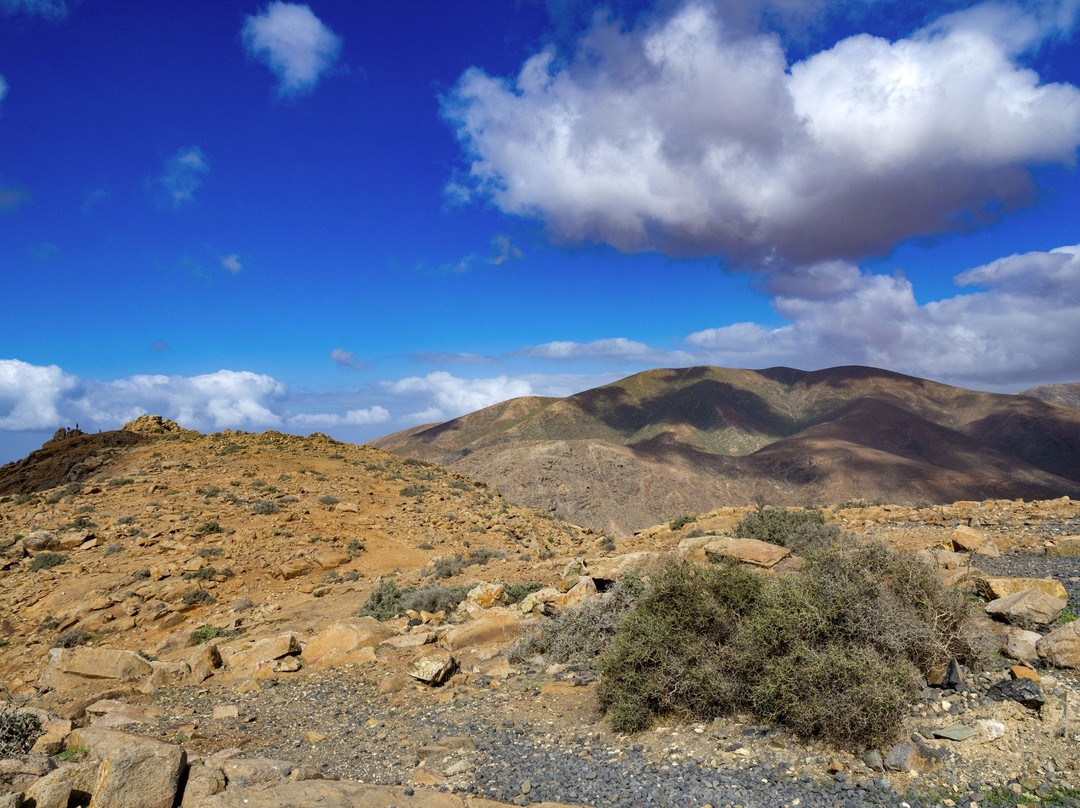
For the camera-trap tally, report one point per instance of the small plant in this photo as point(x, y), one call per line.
point(328, 500)
point(72, 637)
point(208, 528)
point(198, 597)
point(426, 545)
point(74, 752)
point(113, 549)
point(1067, 616)
point(22, 499)
point(335, 456)
point(384, 602)
point(209, 552)
point(354, 547)
point(45, 561)
point(81, 523)
point(434, 598)
point(448, 566)
point(206, 633)
point(515, 593)
point(679, 522)
point(263, 507)
point(776, 525)
point(125, 520)
point(117, 482)
point(18, 730)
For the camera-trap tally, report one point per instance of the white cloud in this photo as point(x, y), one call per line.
point(442, 396)
point(1022, 329)
point(686, 136)
point(363, 417)
point(346, 359)
point(183, 175)
point(294, 43)
point(617, 349)
point(52, 9)
point(3, 87)
point(231, 263)
point(31, 395)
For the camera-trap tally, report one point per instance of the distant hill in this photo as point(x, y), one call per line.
point(1067, 395)
point(666, 442)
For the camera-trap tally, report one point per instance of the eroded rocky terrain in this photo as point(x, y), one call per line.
point(180, 611)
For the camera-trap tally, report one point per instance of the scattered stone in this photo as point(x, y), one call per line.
point(1027, 608)
point(993, 588)
point(1023, 691)
point(956, 732)
point(134, 772)
point(1020, 645)
point(433, 668)
point(1061, 647)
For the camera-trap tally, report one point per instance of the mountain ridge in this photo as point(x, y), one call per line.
point(674, 440)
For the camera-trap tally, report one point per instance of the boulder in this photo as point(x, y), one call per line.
point(1061, 647)
point(250, 656)
point(967, 540)
point(332, 558)
point(341, 641)
point(247, 772)
point(294, 568)
point(40, 540)
point(433, 668)
point(101, 663)
point(1024, 691)
point(57, 788)
point(204, 780)
point(204, 660)
point(1020, 645)
point(1065, 546)
point(500, 627)
point(1027, 608)
point(993, 588)
point(487, 595)
point(747, 551)
point(133, 772)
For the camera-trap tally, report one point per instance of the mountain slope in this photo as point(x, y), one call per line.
point(665, 442)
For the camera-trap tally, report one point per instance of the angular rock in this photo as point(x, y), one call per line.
point(902, 758)
point(1027, 608)
point(269, 649)
point(990, 729)
point(487, 595)
point(1024, 691)
point(203, 661)
point(434, 668)
point(102, 663)
point(747, 551)
point(1020, 645)
point(993, 588)
point(204, 780)
point(294, 568)
point(41, 540)
point(341, 641)
point(134, 772)
point(56, 789)
point(967, 540)
point(502, 627)
point(1065, 546)
point(332, 558)
point(956, 732)
point(1061, 647)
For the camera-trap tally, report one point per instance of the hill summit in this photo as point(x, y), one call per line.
point(666, 442)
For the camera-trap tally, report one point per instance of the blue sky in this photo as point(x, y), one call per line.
point(354, 217)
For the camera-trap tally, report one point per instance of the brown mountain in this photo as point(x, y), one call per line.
point(1067, 395)
point(666, 442)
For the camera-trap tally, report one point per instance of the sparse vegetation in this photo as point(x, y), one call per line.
point(208, 528)
point(18, 730)
point(354, 547)
point(677, 523)
point(384, 601)
point(264, 507)
point(114, 548)
point(198, 597)
point(413, 490)
point(72, 637)
point(329, 500)
point(45, 561)
point(434, 598)
point(776, 525)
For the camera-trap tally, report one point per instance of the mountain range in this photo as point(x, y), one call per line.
point(667, 442)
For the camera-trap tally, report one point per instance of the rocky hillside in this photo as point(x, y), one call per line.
point(179, 615)
point(667, 442)
point(1067, 395)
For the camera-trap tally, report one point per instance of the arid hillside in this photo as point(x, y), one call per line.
point(1067, 395)
point(666, 442)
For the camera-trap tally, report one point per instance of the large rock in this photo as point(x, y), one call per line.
point(487, 595)
point(133, 772)
point(550, 600)
point(1020, 645)
point(248, 657)
point(101, 663)
point(341, 642)
point(747, 551)
point(56, 789)
point(1061, 647)
point(1065, 546)
point(433, 668)
point(1027, 608)
point(499, 627)
point(41, 540)
point(993, 588)
point(967, 540)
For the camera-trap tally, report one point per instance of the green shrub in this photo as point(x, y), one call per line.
point(18, 731)
point(209, 552)
point(328, 500)
point(680, 521)
point(515, 593)
point(117, 482)
point(384, 602)
point(413, 490)
point(578, 635)
point(198, 597)
point(113, 549)
point(354, 547)
point(72, 637)
point(45, 561)
point(449, 566)
point(776, 525)
point(434, 598)
point(208, 528)
point(831, 652)
point(264, 507)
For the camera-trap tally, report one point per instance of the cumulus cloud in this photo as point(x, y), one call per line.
point(617, 349)
point(30, 395)
point(294, 43)
point(691, 137)
point(231, 263)
point(442, 395)
point(183, 174)
point(1022, 327)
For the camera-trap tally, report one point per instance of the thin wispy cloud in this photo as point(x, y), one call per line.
point(686, 137)
point(231, 263)
point(94, 199)
point(183, 175)
point(50, 9)
point(346, 359)
point(295, 44)
point(12, 198)
point(616, 349)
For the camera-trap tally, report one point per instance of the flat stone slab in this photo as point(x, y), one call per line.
point(748, 551)
point(956, 732)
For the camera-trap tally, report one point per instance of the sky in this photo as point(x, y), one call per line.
point(354, 217)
